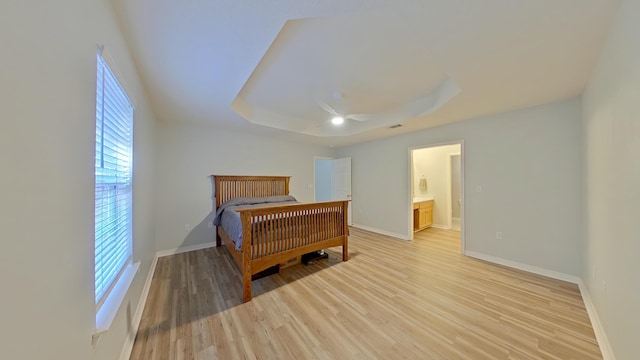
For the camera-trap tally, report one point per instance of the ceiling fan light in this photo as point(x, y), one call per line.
point(337, 120)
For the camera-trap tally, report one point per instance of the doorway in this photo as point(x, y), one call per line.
point(332, 179)
point(436, 188)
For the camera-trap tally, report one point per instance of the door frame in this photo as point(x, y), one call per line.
point(409, 200)
point(450, 190)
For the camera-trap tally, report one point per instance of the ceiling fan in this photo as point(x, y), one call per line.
point(337, 118)
point(421, 106)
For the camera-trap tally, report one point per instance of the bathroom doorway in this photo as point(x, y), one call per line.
point(437, 188)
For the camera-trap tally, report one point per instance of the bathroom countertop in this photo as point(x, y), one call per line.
point(418, 199)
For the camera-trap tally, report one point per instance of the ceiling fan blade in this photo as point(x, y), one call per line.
point(395, 114)
point(421, 106)
point(361, 117)
point(326, 107)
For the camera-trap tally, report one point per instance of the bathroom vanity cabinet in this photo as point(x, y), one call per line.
point(422, 215)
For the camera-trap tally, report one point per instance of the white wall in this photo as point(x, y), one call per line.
point(47, 109)
point(188, 155)
point(528, 164)
point(433, 164)
point(611, 124)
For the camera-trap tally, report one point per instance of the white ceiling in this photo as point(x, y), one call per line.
point(257, 65)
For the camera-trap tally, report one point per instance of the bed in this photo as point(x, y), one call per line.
point(274, 233)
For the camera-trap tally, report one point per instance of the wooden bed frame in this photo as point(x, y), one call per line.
point(271, 235)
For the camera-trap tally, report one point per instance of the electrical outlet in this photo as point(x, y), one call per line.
point(187, 227)
point(499, 235)
point(604, 286)
point(478, 188)
point(210, 224)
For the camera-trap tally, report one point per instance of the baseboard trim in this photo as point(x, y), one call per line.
point(184, 249)
point(381, 232)
point(601, 336)
point(528, 268)
point(125, 354)
point(443, 227)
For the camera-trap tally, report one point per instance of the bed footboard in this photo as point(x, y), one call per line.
point(271, 235)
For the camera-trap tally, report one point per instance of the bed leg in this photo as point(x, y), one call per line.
point(246, 286)
point(246, 256)
point(345, 251)
point(345, 225)
point(218, 238)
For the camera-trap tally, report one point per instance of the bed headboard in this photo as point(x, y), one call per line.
point(228, 187)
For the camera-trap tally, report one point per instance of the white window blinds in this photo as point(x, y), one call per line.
point(113, 165)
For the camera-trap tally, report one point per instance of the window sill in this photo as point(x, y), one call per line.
point(108, 310)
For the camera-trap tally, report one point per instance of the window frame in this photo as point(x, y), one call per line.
point(116, 182)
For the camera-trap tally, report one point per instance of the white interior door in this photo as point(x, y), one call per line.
point(323, 170)
point(341, 182)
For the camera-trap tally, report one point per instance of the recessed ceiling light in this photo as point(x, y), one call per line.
point(337, 120)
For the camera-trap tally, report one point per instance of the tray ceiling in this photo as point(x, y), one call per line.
point(270, 67)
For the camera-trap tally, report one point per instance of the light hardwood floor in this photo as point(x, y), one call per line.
point(392, 300)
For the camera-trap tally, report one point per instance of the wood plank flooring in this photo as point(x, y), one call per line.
point(392, 300)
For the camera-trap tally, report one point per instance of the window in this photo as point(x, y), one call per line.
point(113, 185)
